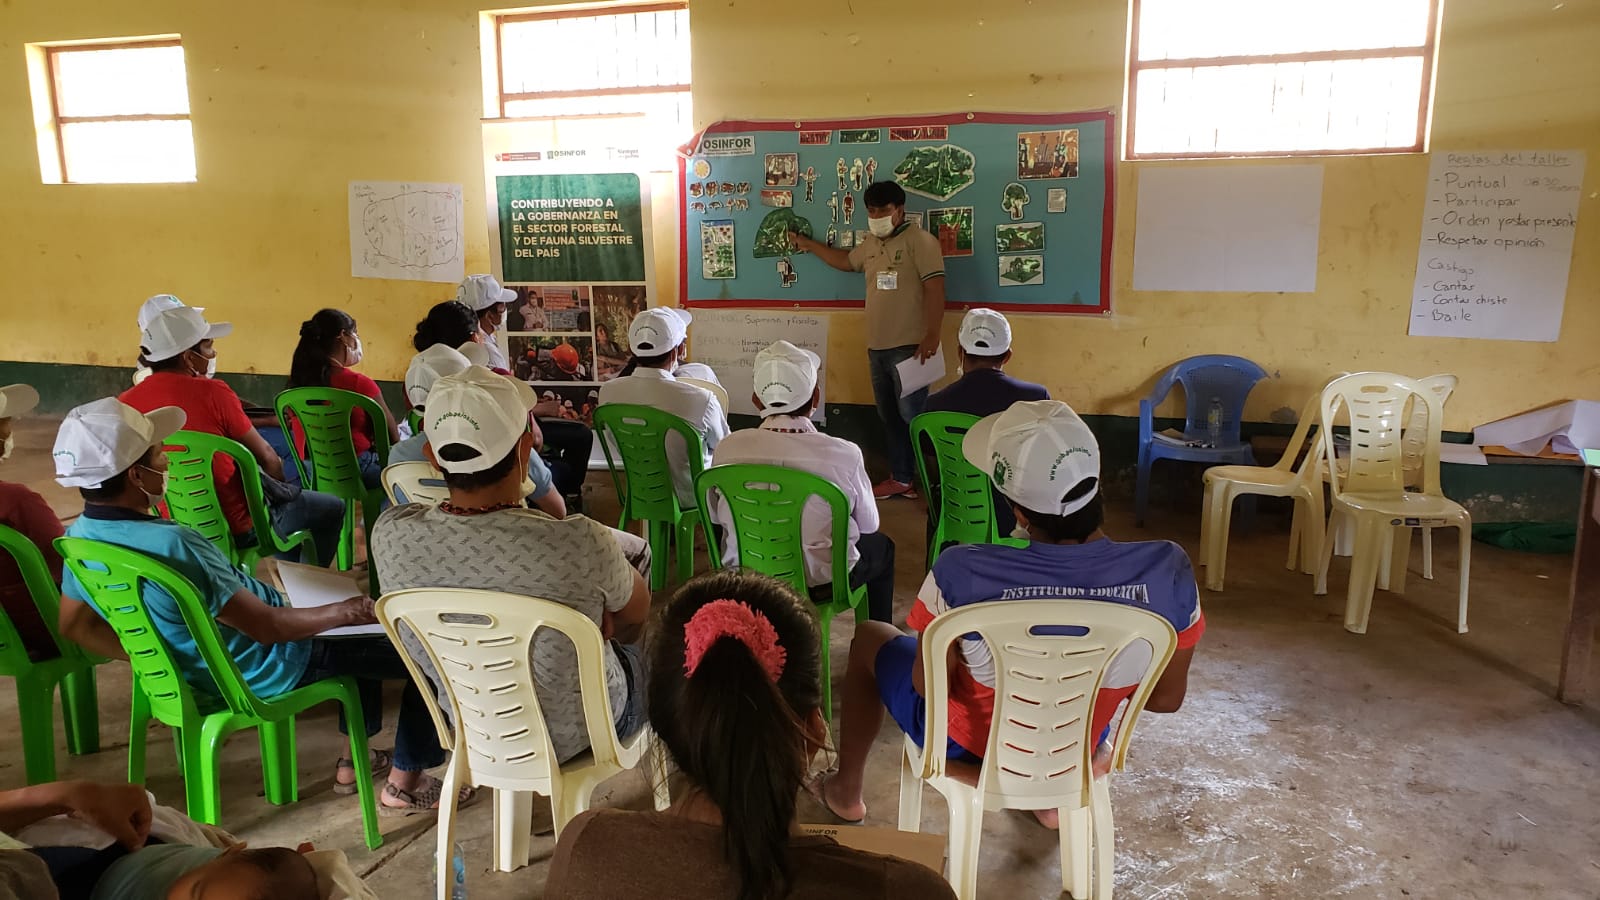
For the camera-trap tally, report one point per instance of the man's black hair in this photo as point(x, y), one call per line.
point(884, 193)
point(1076, 526)
point(471, 481)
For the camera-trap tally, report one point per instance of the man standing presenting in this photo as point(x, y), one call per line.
point(905, 303)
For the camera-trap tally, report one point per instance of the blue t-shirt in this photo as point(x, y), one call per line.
point(269, 670)
point(410, 450)
point(984, 392)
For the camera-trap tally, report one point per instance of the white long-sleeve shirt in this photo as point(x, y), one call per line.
point(697, 406)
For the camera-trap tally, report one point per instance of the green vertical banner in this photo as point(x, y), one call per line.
point(571, 228)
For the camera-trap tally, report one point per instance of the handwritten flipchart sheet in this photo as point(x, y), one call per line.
point(1496, 248)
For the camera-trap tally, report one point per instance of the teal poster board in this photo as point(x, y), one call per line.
point(1021, 204)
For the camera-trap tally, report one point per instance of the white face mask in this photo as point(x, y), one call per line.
point(160, 492)
point(354, 353)
point(10, 444)
point(1020, 533)
point(881, 227)
point(211, 367)
point(528, 487)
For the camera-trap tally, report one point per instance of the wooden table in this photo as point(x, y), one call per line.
point(1578, 645)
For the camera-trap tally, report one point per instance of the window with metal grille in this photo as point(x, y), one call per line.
point(119, 112)
point(595, 62)
point(1279, 77)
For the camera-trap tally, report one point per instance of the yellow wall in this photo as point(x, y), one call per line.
point(294, 99)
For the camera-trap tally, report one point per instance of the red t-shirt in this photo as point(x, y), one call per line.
point(212, 408)
point(28, 513)
point(360, 428)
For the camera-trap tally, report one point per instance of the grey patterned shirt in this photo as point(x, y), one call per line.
point(575, 561)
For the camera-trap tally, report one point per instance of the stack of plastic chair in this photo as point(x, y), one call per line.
point(72, 671)
point(1282, 479)
point(766, 504)
point(1041, 746)
point(642, 475)
point(414, 482)
point(116, 579)
point(1228, 380)
point(477, 644)
point(964, 513)
point(1370, 488)
point(192, 499)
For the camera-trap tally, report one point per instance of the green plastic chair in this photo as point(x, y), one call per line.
point(643, 479)
point(414, 420)
point(766, 503)
point(331, 465)
point(192, 499)
point(36, 682)
point(111, 574)
point(965, 496)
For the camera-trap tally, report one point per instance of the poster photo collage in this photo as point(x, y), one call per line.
point(566, 340)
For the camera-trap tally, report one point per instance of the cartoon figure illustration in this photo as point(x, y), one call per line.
point(872, 168)
point(857, 169)
point(786, 273)
point(694, 189)
point(744, 187)
point(711, 189)
point(843, 170)
point(697, 206)
point(811, 181)
point(833, 236)
point(727, 187)
point(849, 207)
point(715, 204)
point(833, 207)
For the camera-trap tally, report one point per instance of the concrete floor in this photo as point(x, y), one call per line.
point(1307, 762)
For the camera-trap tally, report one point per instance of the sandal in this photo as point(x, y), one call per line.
point(816, 787)
point(381, 761)
point(425, 798)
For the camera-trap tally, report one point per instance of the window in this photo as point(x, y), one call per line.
point(1279, 77)
point(116, 112)
point(593, 62)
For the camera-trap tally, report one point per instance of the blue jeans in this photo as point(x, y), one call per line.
point(895, 411)
point(632, 716)
point(372, 661)
point(321, 514)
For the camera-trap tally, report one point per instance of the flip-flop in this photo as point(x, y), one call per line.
point(816, 787)
point(424, 799)
point(381, 762)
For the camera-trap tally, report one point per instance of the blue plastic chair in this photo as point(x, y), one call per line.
point(1229, 379)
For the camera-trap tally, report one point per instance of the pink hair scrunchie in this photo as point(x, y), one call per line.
point(736, 619)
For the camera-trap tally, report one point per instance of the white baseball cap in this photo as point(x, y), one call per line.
point(985, 332)
point(157, 304)
point(428, 367)
point(657, 330)
point(479, 292)
point(17, 400)
point(105, 438)
point(1036, 452)
point(476, 353)
point(478, 409)
point(785, 377)
point(172, 331)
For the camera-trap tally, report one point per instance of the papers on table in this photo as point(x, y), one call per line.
point(1465, 454)
point(914, 376)
point(1566, 427)
point(311, 586)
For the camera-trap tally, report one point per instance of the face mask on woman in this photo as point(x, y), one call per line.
point(211, 365)
point(353, 354)
point(160, 492)
point(6, 448)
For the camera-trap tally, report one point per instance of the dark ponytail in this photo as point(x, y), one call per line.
point(450, 323)
point(739, 737)
point(312, 365)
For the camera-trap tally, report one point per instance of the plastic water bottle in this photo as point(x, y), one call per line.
point(458, 874)
point(1214, 421)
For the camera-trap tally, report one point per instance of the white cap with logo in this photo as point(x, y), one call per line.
point(785, 378)
point(428, 367)
point(479, 292)
point(158, 304)
point(480, 410)
point(105, 438)
point(985, 332)
point(17, 400)
point(658, 329)
point(172, 331)
point(1036, 452)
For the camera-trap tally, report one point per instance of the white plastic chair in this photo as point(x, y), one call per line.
point(1225, 483)
point(1413, 447)
point(413, 482)
point(1040, 745)
point(1370, 487)
point(717, 390)
point(479, 642)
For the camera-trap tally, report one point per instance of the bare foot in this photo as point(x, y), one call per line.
point(1049, 818)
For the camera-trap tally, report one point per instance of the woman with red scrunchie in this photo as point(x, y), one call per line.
point(735, 696)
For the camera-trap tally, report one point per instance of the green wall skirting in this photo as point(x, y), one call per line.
point(1505, 491)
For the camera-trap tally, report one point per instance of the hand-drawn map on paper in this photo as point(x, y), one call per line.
point(406, 231)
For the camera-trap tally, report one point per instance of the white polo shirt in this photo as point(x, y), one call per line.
point(497, 356)
point(658, 388)
point(794, 443)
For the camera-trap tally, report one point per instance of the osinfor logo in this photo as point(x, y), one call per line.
point(728, 145)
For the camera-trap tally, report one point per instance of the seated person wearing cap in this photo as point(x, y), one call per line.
point(487, 299)
point(147, 311)
point(1047, 463)
point(425, 370)
point(984, 347)
point(23, 510)
point(480, 434)
point(177, 344)
point(786, 393)
point(112, 454)
point(657, 337)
